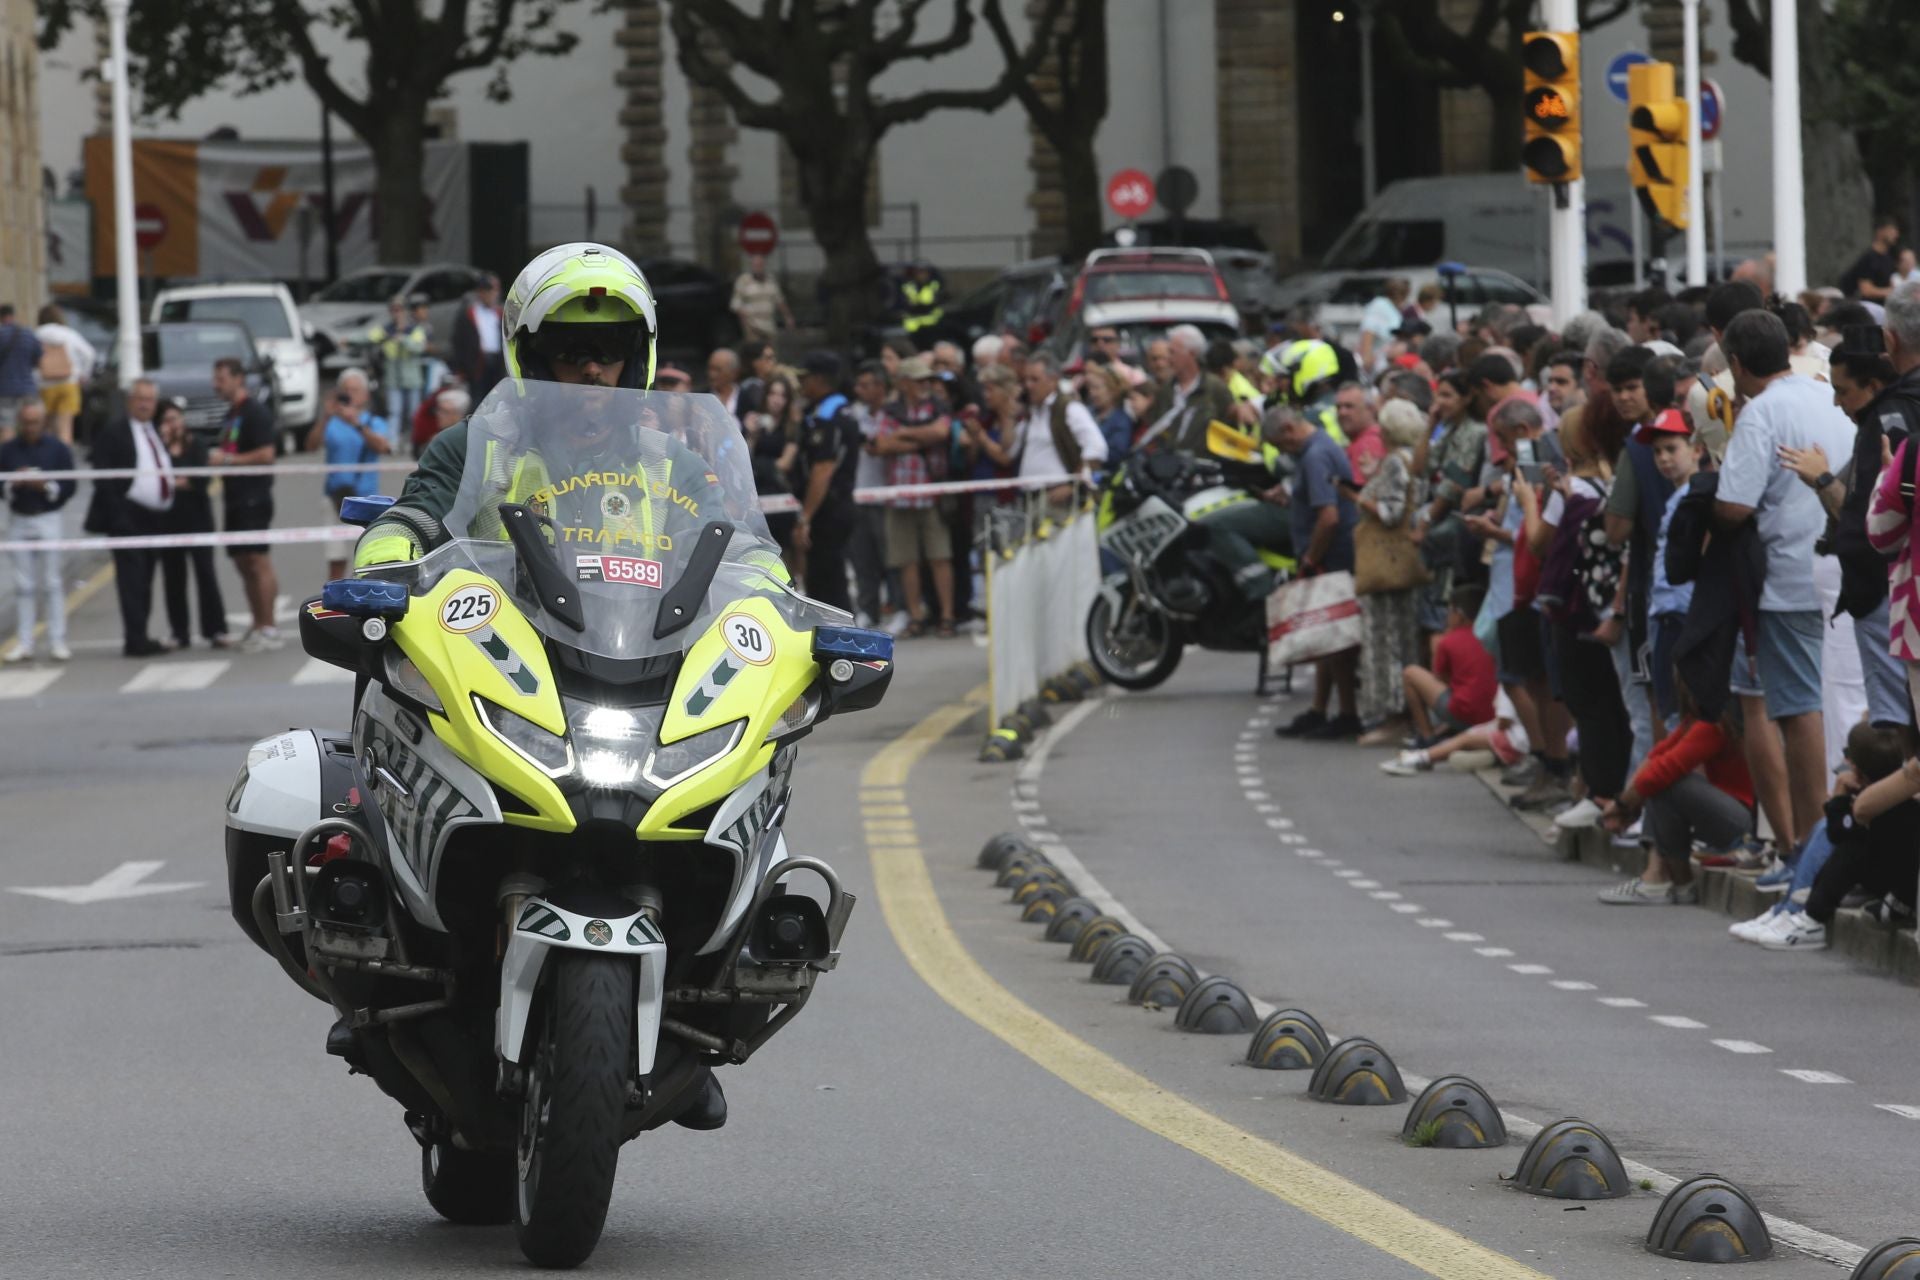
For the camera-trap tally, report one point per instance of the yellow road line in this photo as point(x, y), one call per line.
point(80, 595)
point(921, 930)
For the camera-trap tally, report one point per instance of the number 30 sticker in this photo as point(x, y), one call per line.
point(469, 609)
point(747, 639)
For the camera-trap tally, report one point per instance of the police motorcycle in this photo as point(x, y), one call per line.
point(542, 882)
point(1170, 590)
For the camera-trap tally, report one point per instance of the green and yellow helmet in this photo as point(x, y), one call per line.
point(1305, 367)
point(580, 299)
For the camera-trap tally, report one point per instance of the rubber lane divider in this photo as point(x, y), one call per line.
point(921, 930)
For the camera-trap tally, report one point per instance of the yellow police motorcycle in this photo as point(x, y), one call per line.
point(542, 882)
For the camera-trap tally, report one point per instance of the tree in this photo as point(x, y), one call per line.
point(1839, 197)
point(1484, 56)
point(179, 50)
point(1880, 95)
point(1069, 116)
point(822, 58)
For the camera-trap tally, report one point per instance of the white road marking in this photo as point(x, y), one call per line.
point(1466, 937)
point(1365, 884)
point(1742, 1046)
point(1900, 1109)
point(1531, 970)
point(1811, 1076)
point(1249, 782)
point(1571, 984)
point(1308, 853)
point(1026, 806)
point(1289, 837)
point(1255, 795)
point(1348, 873)
point(25, 684)
point(1434, 922)
point(1405, 908)
point(1383, 895)
point(124, 881)
point(1677, 1022)
point(176, 677)
point(318, 672)
point(1621, 1002)
point(1280, 824)
point(1492, 953)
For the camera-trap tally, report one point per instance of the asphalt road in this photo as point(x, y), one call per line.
point(167, 1109)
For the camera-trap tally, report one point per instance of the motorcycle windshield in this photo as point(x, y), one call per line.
point(621, 483)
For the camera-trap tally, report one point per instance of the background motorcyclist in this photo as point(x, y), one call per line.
point(1307, 373)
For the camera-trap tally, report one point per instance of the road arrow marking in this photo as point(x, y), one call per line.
point(124, 881)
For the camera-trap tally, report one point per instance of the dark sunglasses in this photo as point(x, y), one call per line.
point(583, 348)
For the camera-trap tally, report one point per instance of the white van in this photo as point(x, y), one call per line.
point(267, 310)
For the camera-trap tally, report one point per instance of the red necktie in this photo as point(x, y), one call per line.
point(159, 465)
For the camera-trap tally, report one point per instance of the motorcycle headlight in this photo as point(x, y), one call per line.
point(800, 713)
point(674, 762)
point(406, 679)
point(548, 752)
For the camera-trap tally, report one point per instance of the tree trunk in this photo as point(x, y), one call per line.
point(1839, 198)
point(833, 186)
point(399, 147)
point(1080, 184)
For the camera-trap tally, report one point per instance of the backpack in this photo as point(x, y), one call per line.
point(1064, 443)
point(1580, 574)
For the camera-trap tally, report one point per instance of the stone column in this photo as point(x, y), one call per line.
point(1259, 120)
point(710, 154)
point(644, 151)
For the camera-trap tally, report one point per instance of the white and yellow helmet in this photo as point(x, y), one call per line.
point(580, 297)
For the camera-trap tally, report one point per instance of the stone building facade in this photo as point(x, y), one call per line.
point(23, 242)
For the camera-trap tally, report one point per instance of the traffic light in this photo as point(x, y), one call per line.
point(1552, 150)
point(1657, 121)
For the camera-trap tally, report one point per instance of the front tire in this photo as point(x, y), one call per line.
point(1142, 655)
point(571, 1117)
point(472, 1188)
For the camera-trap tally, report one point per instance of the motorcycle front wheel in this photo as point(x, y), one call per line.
point(1137, 653)
point(571, 1116)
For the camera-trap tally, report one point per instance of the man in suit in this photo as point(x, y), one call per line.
point(130, 507)
point(477, 357)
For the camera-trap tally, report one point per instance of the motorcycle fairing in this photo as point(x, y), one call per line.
point(544, 925)
point(424, 793)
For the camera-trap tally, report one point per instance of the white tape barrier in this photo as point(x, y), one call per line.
point(769, 503)
point(1037, 611)
point(238, 469)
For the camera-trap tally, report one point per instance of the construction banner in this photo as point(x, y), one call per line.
point(234, 210)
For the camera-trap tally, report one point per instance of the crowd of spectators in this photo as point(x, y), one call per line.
point(1658, 564)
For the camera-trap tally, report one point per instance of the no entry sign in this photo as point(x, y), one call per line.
point(758, 234)
point(149, 225)
point(1130, 193)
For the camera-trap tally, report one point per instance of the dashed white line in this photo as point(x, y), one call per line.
point(1256, 795)
point(1405, 908)
point(1531, 970)
point(1290, 837)
point(1742, 1046)
point(1492, 953)
point(1571, 984)
point(1382, 895)
point(1900, 1109)
point(176, 677)
point(1280, 824)
point(1308, 853)
point(1677, 1022)
point(1466, 937)
point(1348, 873)
point(318, 672)
point(1432, 922)
point(1365, 884)
point(26, 684)
point(1621, 1002)
point(1811, 1076)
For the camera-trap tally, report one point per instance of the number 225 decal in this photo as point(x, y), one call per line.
point(747, 639)
point(469, 609)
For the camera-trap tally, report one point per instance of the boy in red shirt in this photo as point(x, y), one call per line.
point(1458, 693)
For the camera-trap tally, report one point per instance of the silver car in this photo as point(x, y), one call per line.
point(341, 314)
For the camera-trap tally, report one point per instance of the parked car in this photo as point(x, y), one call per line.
point(1340, 298)
point(694, 307)
point(1238, 252)
point(1167, 274)
point(178, 356)
point(1138, 322)
point(268, 312)
point(340, 315)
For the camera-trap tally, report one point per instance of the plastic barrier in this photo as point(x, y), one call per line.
point(1043, 572)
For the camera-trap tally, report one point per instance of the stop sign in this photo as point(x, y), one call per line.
point(758, 234)
point(149, 225)
point(1130, 193)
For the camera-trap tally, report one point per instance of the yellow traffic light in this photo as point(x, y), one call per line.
point(1552, 149)
point(1657, 120)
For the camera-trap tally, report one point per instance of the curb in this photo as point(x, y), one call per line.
point(1894, 953)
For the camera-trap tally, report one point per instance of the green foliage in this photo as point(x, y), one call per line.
point(1424, 1134)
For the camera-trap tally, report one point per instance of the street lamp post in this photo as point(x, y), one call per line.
point(127, 282)
point(1567, 219)
point(1789, 182)
point(1696, 178)
point(1369, 160)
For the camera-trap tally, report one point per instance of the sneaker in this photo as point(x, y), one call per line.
point(1777, 878)
point(1580, 817)
point(1334, 730)
point(1890, 913)
point(1751, 930)
point(1306, 720)
point(1547, 792)
point(1523, 774)
point(1630, 838)
point(1800, 933)
point(1636, 892)
point(1408, 764)
point(18, 651)
point(898, 622)
point(258, 641)
point(60, 652)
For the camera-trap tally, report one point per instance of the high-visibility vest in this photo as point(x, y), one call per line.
point(923, 304)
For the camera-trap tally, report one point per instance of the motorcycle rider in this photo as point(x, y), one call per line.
point(1307, 372)
point(580, 314)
